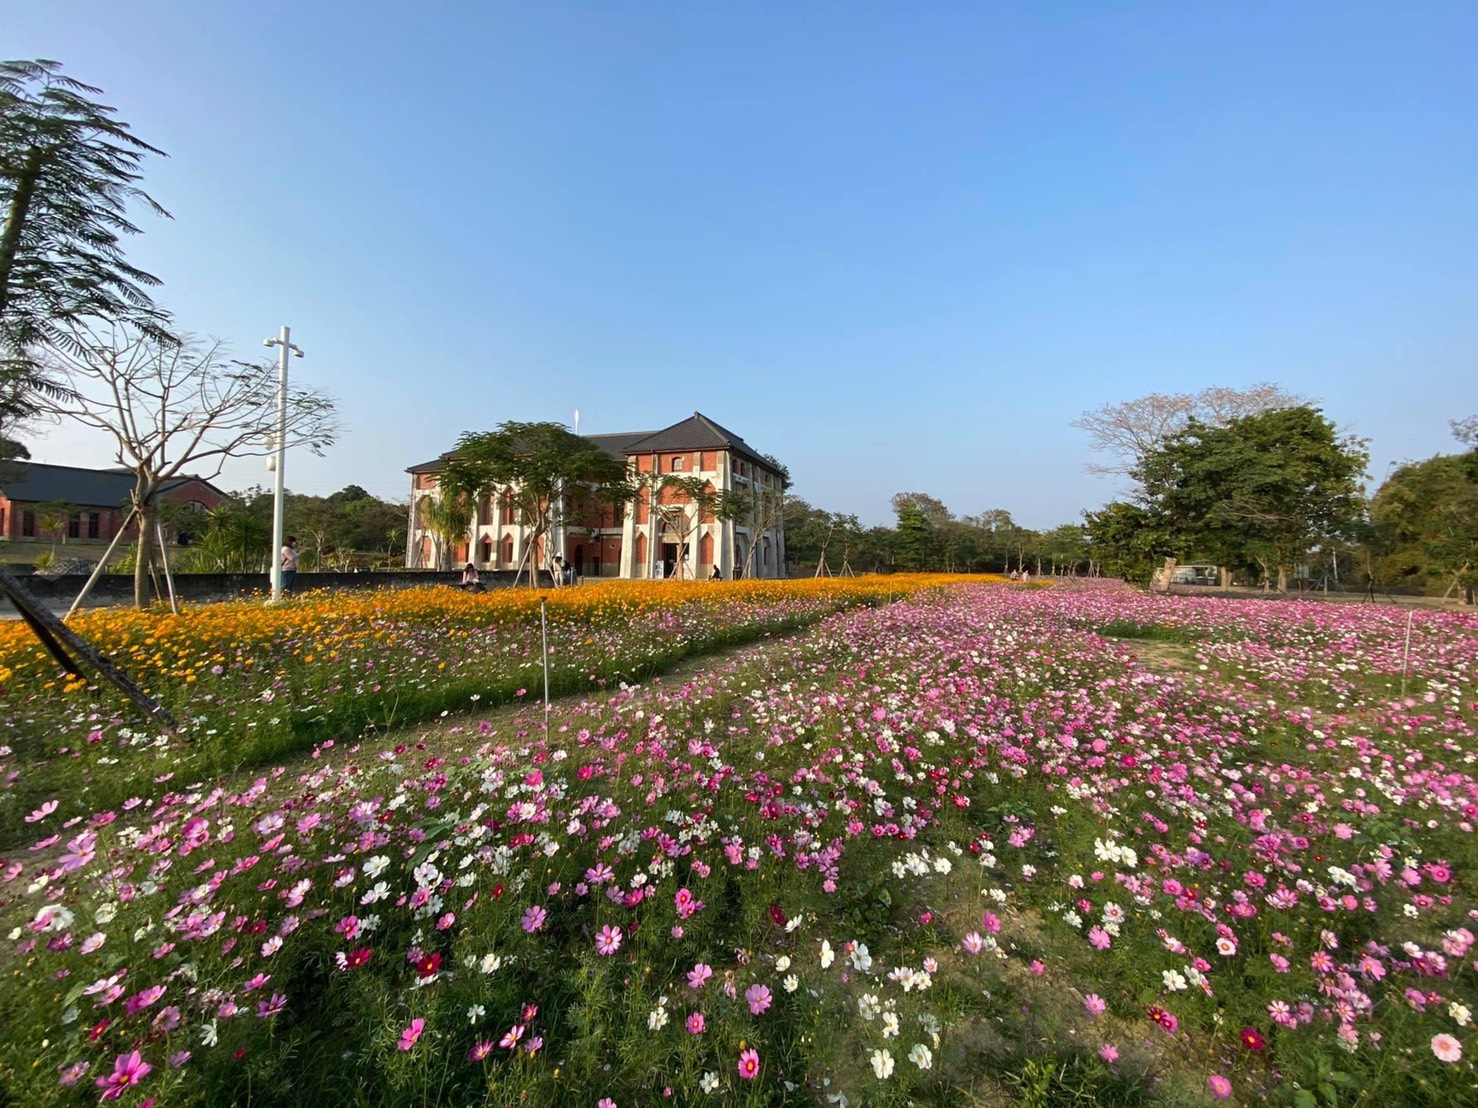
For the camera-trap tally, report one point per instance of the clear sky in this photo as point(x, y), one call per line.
point(899, 245)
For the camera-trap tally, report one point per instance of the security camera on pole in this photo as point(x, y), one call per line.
point(284, 345)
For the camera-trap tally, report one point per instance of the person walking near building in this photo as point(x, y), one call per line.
point(289, 563)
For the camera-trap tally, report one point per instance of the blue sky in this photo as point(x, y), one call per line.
point(901, 246)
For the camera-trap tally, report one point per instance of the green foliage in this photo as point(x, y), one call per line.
point(1428, 516)
point(1126, 540)
point(539, 466)
point(1264, 487)
point(917, 540)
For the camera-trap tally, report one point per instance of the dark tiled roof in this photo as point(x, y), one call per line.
point(615, 445)
point(697, 432)
point(38, 483)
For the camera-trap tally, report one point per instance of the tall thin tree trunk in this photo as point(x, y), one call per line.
point(143, 561)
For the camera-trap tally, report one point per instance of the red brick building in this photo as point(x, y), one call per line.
point(82, 504)
point(657, 535)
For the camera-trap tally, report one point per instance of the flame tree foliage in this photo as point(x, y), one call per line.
point(69, 170)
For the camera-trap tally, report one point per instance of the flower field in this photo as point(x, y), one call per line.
point(252, 685)
point(981, 845)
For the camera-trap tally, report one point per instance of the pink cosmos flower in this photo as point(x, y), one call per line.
point(1109, 1053)
point(694, 1023)
point(1445, 1046)
point(605, 1102)
point(758, 998)
point(266, 1009)
point(480, 1050)
point(129, 1070)
point(973, 943)
point(1095, 1004)
point(533, 919)
point(749, 1064)
point(1100, 939)
point(42, 812)
point(511, 1036)
point(412, 1034)
point(699, 974)
point(1220, 1087)
point(608, 940)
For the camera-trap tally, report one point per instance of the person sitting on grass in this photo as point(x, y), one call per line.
point(470, 580)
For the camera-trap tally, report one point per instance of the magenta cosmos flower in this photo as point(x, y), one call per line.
point(412, 1034)
point(128, 1070)
point(1220, 1087)
point(749, 1064)
point(758, 998)
point(533, 919)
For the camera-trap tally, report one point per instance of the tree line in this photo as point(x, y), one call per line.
point(1264, 486)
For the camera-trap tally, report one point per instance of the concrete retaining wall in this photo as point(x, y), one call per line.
point(113, 588)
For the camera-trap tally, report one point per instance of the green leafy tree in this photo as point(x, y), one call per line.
point(447, 514)
point(541, 465)
point(1266, 487)
point(918, 542)
point(1428, 512)
point(1126, 540)
point(1065, 548)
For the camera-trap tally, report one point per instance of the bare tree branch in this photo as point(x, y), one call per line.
point(175, 408)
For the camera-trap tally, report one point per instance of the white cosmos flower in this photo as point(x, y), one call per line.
point(882, 1064)
point(921, 1056)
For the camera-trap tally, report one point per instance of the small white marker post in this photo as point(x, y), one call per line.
point(544, 638)
point(1406, 655)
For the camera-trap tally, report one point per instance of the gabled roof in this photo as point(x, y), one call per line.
point(38, 483)
point(697, 432)
point(616, 445)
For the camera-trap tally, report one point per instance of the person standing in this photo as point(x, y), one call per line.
point(289, 563)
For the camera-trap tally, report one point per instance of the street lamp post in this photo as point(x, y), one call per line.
point(284, 345)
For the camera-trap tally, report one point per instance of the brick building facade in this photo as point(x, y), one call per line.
point(656, 535)
point(83, 505)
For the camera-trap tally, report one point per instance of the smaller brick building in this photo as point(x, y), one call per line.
point(96, 501)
